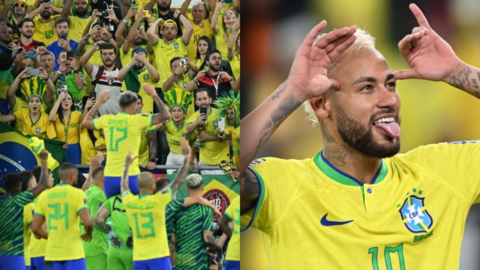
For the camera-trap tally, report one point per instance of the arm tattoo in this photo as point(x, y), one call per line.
point(82, 43)
point(152, 142)
point(249, 188)
point(210, 239)
point(277, 94)
point(182, 172)
point(162, 109)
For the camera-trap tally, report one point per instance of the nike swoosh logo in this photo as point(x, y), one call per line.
point(326, 222)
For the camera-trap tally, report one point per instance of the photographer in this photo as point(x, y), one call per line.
point(214, 254)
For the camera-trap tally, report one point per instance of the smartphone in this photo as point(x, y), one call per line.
point(134, 4)
point(63, 37)
point(64, 88)
point(31, 54)
point(106, 46)
point(92, 94)
point(69, 55)
point(203, 110)
point(33, 72)
point(221, 123)
point(182, 62)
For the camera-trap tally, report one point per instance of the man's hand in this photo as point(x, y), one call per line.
point(86, 237)
point(111, 15)
point(90, 102)
point(131, 12)
point(200, 74)
point(74, 63)
point(105, 32)
point(176, 14)
point(43, 154)
point(308, 74)
point(104, 96)
point(235, 174)
point(141, 15)
point(96, 161)
point(428, 55)
point(185, 147)
point(40, 50)
point(180, 70)
point(96, 29)
point(201, 118)
point(149, 89)
point(62, 95)
point(220, 5)
point(225, 75)
point(129, 159)
point(151, 165)
point(43, 74)
point(23, 74)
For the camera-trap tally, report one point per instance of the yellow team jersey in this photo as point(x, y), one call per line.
point(86, 145)
point(233, 213)
point(235, 64)
point(37, 247)
point(144, 150)
point(42, 127)
point(234, 132)
point(221, 43)
point(174, 135)
point(125, 58)
point(122, 134)
point(198, 63)
point(45, 32)
point(412, 216)
point(73, 129)
point(56, 3)
point(164, 52)
point(146, 215)
point(77, 26)
point(199, 30)
point(27, 232)
point(143, 77)
point(96, 58)
point(60, 207)
point(100, 142)
point(213, 151)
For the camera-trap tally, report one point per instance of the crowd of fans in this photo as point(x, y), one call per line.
point(56, 60)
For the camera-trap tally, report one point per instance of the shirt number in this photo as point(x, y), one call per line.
point(114, 147)
point(58, 215)
point(146, 225)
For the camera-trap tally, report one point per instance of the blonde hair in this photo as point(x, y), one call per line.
point(363, 38)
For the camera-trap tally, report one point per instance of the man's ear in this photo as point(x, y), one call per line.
point(321, 106)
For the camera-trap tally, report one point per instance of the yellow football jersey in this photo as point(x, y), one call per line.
point(146, 215)
point(37, 247)
point(235, 133)
point(174, 135)
point(45, 32)
point(221, 43)
point(122, 134)
point(213, 151)
point(125, 58)
point(163, 53)
point(199, 30)
point(412, 216)
point(233, 213)
point(145, 78)
point(235, 64)
point(144, 150)
point(42, 127)
point(73, 129)
point(27, 232)
point(86, 145)
point(77, 26)
point(60, 206)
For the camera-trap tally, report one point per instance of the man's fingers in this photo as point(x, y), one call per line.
point(313, 33)
point(334, 35)
point(422, 21)
point(409, 42)
point(405, 74)
point(341, 47)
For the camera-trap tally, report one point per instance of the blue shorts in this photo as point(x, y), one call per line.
point(153, 264)
point(37, 263)
point(66, 265)
point(112, 185)
point(28, 267)
point(232, 265)
point(12, 262)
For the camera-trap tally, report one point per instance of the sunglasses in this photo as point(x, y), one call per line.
point(20, 5)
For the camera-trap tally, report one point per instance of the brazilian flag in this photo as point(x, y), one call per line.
point(16, 154)
point(218, 189)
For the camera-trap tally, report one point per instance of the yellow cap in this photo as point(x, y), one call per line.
point(169, 22)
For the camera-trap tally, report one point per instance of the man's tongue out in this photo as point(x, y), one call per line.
point(392, 128)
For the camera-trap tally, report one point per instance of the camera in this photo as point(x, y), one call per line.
point(212, 258)
point(182, 62)
point(31, 54)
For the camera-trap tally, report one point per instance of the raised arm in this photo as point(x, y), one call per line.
point(7, 8)
point(432, 58)
point(94, 163)
point(43, 181)
point(66, 9)
point(84, 60)
point(187, 34)
point(182, 172)
point(14, 86)
point(214, 16)
point(169, 82)
point(133, 30)
point(151, 32)
point(36, 11)
point(232, 39)
point(307, 79)
point(184, 7)
point(163, 113)
point(53, 113)
point(152, 149)
point(88, 120)
point(124, 71)
point(48, 96)
point(90, 102)
point(86, 37)
point(128, 161)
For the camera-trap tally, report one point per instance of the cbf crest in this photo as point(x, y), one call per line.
point(415, 215)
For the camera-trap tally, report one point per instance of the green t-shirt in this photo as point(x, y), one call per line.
point(118, 216)
point(95, 198)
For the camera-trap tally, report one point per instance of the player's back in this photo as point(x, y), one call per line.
point(122, 134)
point(60, 206)
point(146, 215)
point(313, 215)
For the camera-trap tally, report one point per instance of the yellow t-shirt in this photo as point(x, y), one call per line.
point(60, 206)
point(73, 129)
point(174, 135)
point(86, 145)
point(235, 64)
point(234, 132)
point(27, 232)
point(42, 128)
point(213, 151)
point(221, 43)
point(199, 30)
point(146, 215)
point(56, 3)
point(233, 212)
point(144, 150)
point(45, 32)
point(164, 52)
point(77, 27)
point(122, 134)
point(37, 246)
point(144, 77)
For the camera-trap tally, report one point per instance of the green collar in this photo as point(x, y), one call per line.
point(123, 113)
point(63, 184)
point(343, 178)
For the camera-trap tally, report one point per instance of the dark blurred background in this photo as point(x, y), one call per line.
point(272, 30)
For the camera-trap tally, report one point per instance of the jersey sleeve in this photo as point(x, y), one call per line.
point(81, 201)
point(164, 196)
point(457, 163)
point(40, 206)
point(28, 211)
point(143, 120)
point(108, 204)
point(23, 198)
point(19, 115)
point(99, 122)
point(229, 211)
